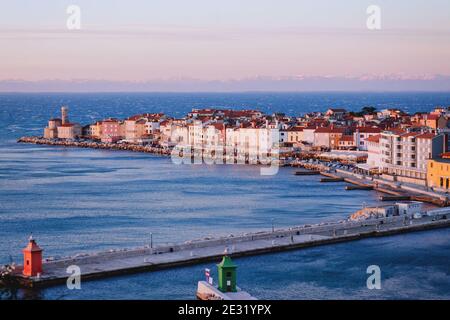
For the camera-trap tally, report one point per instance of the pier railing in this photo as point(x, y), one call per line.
point(331, 229)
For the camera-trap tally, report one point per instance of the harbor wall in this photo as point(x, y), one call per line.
point(354, 231)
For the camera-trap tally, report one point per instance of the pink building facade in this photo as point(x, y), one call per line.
point(111, 131)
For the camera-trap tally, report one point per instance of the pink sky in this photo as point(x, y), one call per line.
point(140, 43)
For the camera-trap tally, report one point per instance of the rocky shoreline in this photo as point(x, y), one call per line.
point(156, 150)
point(96, 145)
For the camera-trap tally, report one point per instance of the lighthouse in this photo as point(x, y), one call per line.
point(32, 259)
point(65, 115)
point(226, 288)
point(227, 275)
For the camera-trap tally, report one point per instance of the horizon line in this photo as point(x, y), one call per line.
point(234, 91)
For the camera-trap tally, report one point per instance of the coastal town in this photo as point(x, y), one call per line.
point(389, 144)
point(391, 152)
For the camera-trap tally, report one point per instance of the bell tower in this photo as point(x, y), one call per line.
point(64, 114)
point(32, 259)
point(227, 275)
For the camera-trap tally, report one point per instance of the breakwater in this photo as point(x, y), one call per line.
point(203, 154)
point(96, 145)
point(117, 262)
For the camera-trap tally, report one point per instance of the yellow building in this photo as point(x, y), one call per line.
point(295, 134)
point(96, 130)
point(438, 173)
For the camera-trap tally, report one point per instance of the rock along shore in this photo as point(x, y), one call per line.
point(96, 145)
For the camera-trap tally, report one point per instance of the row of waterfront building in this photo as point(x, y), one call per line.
point(403, 147)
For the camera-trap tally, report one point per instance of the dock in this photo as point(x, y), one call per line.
point(125, 261)
point(391, 193)
point(306, 173)
point(332, 180)
point(395, 198)
point(356, 187)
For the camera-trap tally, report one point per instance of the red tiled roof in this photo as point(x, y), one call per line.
point(347, 138)
point(219, 126)
point(396, 130)
point(369, 129)
point(433, 116)
point(426, 136)
point(410, 134)
point(203, 111)
point(240, 113)
point(375, 138)
point(329, 130)
point(135, 117)
point(298, 129)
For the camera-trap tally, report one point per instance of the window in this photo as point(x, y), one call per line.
point(228, 274)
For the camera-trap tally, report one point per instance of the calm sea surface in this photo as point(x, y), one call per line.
point(79, 200)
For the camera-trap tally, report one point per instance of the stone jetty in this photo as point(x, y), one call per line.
point(96, 145)
point(149, 258)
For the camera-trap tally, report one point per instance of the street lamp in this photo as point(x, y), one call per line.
point(273, 229)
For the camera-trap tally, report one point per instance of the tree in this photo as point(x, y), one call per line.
point(368, 110)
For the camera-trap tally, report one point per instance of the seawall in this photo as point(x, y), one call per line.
point(112, 263)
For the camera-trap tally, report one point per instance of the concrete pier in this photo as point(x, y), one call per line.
point(119, 262)
point(394, 192)
point(205, 291)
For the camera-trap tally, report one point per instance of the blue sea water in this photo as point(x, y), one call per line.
point(80, 200)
